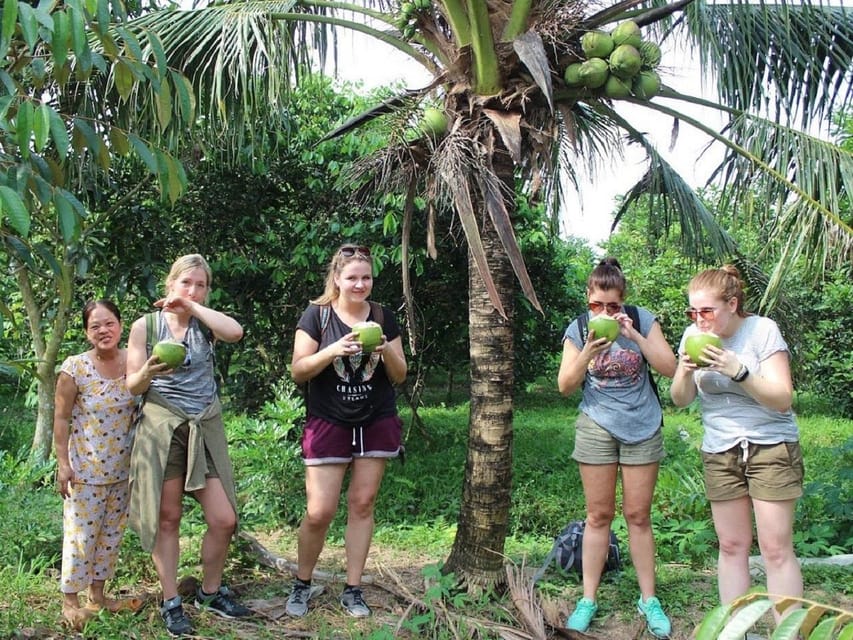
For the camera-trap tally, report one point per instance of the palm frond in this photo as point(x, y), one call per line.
point(787, 58)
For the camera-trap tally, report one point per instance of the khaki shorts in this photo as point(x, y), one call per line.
point(594, 445)
point(176, 462)
point(762, 471)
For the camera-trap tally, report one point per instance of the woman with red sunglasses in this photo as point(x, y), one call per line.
point(750, 447)
point(352, 423)
point(617, 431)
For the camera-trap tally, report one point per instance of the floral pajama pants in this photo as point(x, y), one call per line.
point(94, 519)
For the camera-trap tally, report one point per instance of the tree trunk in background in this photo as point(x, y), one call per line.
point(477, 554)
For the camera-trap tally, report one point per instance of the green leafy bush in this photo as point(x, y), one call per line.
point(268, 468)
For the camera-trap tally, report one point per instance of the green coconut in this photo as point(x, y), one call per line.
point(650, 53)
point(617, 88)
point(572, 75)
point(625, 61)
point(596, 44)
point(627, 33)
point(594, 73)
point(646, 85)
point(434, 122)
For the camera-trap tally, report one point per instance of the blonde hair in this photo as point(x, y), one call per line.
point(724, 282)
point(187, 263)
point(331, 292)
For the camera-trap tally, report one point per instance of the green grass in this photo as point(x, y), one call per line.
point(418, 507)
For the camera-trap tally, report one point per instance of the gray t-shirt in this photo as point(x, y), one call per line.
point(730, 416)
point(192, 386)
point(617, 394)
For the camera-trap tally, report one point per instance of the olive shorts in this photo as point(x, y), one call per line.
point(770, 472)
point(595, 445)
point(176, 462)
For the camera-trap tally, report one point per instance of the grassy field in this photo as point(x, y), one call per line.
point(415, 528)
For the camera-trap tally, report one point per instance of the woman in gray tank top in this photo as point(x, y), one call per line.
point(180, 442)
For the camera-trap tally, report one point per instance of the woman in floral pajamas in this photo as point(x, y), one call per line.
point(92, 437)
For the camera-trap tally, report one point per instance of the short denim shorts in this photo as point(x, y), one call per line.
point(595, 445)
point(763, 471)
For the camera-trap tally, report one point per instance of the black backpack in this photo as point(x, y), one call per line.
point(631, 312)
point(567, 551)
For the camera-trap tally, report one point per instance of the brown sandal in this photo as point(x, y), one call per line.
point(116, 605)
point(77, 617)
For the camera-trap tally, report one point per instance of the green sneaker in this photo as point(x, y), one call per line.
point(582, 615)
point(656, 621)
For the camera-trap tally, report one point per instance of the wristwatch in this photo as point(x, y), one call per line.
point(742, 374)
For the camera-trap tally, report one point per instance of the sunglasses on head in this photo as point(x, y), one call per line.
point(706, 313)
point(612, 307)
point(349, 251)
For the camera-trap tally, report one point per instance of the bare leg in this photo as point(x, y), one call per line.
point(638, 487)
point(599, 487)
point(733, 523)
point(221, 522)
point(166, 551)
point(361, 496)
point(775, 524)
point(323, 490)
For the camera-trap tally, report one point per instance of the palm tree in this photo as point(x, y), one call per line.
point(515, 115)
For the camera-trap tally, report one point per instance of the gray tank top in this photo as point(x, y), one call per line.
point(192, 386)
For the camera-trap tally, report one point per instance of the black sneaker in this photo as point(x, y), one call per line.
point(221, 603)
point(172, 612)
point(352, 600)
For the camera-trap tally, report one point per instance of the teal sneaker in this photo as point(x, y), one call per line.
point(656, 621)
point(582, 615)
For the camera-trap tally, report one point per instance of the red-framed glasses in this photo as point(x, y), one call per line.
point(706, 313)
point(598, 307)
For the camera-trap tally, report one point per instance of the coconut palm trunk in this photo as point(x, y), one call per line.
point(477, 553)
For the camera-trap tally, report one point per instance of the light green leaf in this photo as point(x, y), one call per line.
point(123, 78)
point(164, 105)
point(711, 625)
point(846, 632)
point(744, 619)
point(16, 213)
point(789, 628)
point(119, 141)
point(103, 17)
point(41, 126)
point(823, 631)
point(176, 179)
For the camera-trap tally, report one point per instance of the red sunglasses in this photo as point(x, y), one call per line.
point(612, 307)
point(706, 313)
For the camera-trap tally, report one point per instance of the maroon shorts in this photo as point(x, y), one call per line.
point(327, 443)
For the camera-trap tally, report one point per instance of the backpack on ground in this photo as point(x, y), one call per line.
point(567, 551)
point(632, 312)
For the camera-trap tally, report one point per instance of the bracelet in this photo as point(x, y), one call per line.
point(742, 374)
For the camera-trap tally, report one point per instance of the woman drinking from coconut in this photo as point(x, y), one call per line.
point(750, 446)
point(180, 443)
point(618, 431)
point(92, 439)
point(352, 422)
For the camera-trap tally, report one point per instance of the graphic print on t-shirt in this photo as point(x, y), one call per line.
point(617, 367)
point(355, 374)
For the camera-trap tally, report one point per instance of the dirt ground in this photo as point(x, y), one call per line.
point(393, 587)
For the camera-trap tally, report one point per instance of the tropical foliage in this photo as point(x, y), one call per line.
point(511, 117)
